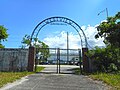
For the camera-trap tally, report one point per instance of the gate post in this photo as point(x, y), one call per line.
point(85, 60)
point(31, 59)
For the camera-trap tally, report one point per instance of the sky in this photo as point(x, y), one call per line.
point(20, 17)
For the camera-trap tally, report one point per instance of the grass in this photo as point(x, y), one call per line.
point(111, 79)
point(39, 68)
point(108, 78)
point(9, 77)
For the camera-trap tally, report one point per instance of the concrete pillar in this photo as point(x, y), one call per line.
point(31, 59)
point(85, 60)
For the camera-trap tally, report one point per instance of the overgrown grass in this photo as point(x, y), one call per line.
point(8, 77)
point(110, 79)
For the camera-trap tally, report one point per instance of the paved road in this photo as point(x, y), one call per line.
point(64, 69)
point(52, 81)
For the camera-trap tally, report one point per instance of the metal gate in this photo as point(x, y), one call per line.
point(59, 57)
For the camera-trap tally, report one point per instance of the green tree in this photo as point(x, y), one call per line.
point(3, 35)
point(110, 30)
point(25, 41)
point(37, 43)
point(41, 46)
point(108, 59)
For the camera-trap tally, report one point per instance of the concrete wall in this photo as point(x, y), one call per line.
point(13, 59)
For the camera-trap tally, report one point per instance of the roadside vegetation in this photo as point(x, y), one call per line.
point(106, 61)
point(39, 68)
point(9, 77)
point(111, 79)
point(108, 78)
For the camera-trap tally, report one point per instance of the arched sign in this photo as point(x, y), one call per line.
point(68, 21)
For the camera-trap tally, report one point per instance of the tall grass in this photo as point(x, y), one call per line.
point(8, 77)
point(110, 79)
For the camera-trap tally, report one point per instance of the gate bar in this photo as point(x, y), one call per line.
point(58, 60)
point(80, 60)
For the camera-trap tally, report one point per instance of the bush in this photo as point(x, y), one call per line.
point(105, 59)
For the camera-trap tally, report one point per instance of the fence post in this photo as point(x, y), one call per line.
point(31, 59)
point(85, 60)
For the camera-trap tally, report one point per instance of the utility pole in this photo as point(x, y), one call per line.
point(67, 48)
point(105, 10)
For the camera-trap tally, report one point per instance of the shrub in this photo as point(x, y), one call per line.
point(105, 59)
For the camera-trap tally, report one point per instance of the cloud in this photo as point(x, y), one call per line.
point(60, 39)
point(90, 32)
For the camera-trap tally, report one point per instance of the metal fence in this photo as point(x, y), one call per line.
point(13, 59)
point(50, 55)
point(57, 56)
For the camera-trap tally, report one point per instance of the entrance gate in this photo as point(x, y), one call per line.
point(58, 21)
point(63, 59)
